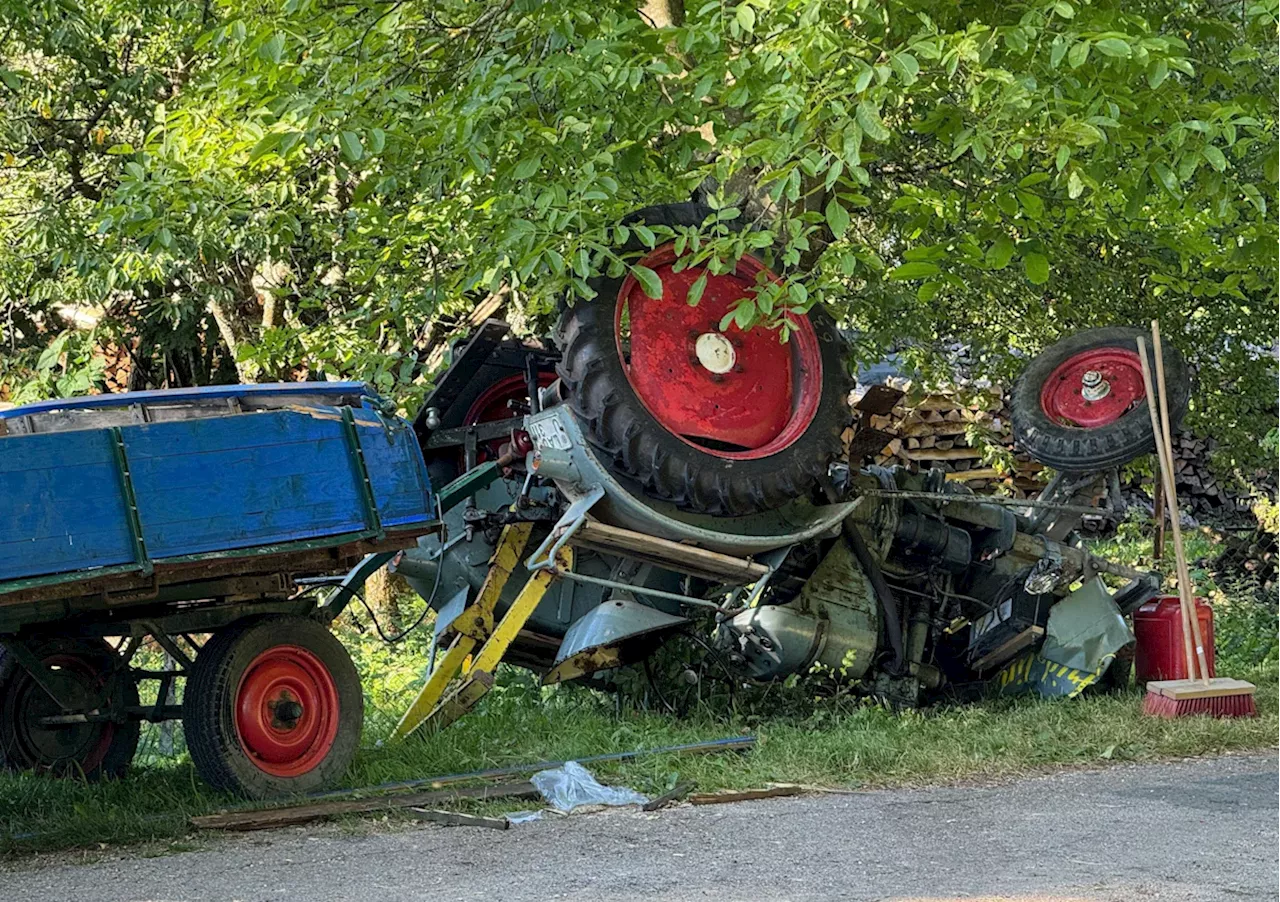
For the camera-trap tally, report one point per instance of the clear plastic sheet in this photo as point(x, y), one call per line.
point(572, 786)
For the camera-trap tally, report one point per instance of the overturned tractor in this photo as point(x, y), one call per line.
point(646, 474)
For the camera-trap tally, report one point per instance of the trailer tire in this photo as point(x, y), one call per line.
point(93, 751)
point(636, 435)
point(1048, 396)
point(273, 706)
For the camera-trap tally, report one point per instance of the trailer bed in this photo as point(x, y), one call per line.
point(114, 497)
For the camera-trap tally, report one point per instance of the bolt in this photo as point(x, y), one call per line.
point(1091, 378)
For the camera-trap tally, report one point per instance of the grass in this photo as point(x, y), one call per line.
point(842, 742)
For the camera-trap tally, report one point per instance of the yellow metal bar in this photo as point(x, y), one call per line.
point(449, 667)
point(476, 620)
point(478, 678)
point(473, 626)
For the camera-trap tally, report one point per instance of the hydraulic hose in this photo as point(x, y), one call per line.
point(888, 604)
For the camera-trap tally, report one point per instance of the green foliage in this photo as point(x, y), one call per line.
point(314, 183)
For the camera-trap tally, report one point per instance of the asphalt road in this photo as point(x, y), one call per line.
point(1202, 830)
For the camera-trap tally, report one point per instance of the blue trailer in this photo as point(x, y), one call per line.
point(174, 515)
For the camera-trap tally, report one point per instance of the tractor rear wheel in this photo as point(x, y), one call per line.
point(272, 707)
point(1081, 405)
point(91, 670)
point(722, 422)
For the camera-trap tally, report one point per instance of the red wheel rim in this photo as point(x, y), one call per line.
point(286, 711)
point(1093, 388)
point(737, 395)
point(491, 405)
point(71, 744)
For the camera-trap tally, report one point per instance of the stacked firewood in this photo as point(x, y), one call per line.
point(1251, 552)
point(966, 435)
point(1200, 491)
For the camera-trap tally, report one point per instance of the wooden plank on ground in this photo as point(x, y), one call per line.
point(719, 798)
point(266, 819)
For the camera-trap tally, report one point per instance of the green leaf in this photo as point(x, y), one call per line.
point(837, 217)
point(1057, 51)
point(526, 167)
point(907, 67)
point(1157, 72)
point(1271, 168)
point(696, 289)
point(1215, 157)
point(1063, 156)
point(349, 144)
point(918, 270)
point(868, 117)
point(1000, 252)
point(645, 234)
point(1064, 9)
point(273, 49)
point(1075, 185)
point(745, 16)
point(1034, 179)
point(377, 140)
point(1078, 53)
point(1167, 178)
point(1115, 47)
point(1036, 267)
point(648, 280)
point(928, 291)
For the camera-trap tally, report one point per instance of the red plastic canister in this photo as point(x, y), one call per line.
point(1157, 626)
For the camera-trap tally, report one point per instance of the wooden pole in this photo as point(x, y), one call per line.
point(1158, 541)
point(1164, 475)
point(1184, 575)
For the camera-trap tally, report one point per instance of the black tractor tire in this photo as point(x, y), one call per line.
point(222, 756)
point(633, 443)
point(93, 751)
point(1074, 449)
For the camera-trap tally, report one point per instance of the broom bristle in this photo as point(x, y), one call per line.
point(1157, 705)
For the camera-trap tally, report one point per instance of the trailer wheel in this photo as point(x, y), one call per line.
point(1081, 404)
point(92, 750)
point(722, 422)
point(273, 706)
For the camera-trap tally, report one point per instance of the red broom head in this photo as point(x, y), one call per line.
point(1157, 705)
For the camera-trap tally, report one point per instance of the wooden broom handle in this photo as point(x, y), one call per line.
point(1184, 576)
point(1165, 476)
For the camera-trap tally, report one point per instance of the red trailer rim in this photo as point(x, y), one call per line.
point(286, 711)
point(733, 394)
point(1093, 388)
point(54, 743)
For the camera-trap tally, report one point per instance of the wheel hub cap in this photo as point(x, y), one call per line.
point(1093, 386)
point(715, 353)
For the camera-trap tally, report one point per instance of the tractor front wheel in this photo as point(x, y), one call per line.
point(1081, 405)
point(273, 707)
